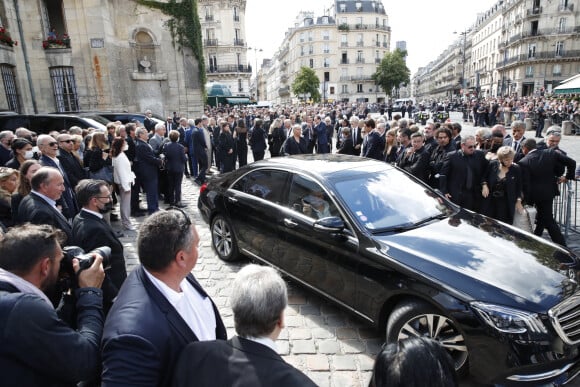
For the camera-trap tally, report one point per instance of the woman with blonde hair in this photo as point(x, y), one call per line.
point(276, 137)
point(8, 185)
point(502, 187)
point(390, 152)
point(97, 158)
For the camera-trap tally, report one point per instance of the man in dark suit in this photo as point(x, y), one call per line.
point(308, 134)
point(146, 165)
point(258, 300)
point(356, 134)
point(296, 144)
point(321, 136)
point(416, 159)
point(346, 143)
point(375, 142)
point(90, 231)
point(461, 175)
point(49, 148)
point(68, 161)
point(175, 161)
point(516, 140)
point(456, 130)
point(148, 122)
point(39, 206)
point(160, 308)
point(540, 184)
point(200, 150)
point(6, 137)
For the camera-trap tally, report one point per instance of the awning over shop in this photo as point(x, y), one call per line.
point(569, 86)
point(237, 101)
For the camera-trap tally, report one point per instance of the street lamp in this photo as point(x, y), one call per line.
point(463, 80)
point(256, 50)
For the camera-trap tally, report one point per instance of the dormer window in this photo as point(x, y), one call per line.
point(358, 6)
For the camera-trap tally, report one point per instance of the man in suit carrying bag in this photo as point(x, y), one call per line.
point(160, 308)
point(258, 300)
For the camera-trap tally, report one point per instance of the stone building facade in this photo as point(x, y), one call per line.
point(118, 56)
point(517, 47)
point(343, 47)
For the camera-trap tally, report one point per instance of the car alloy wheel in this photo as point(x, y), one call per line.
point(417, 319)
point(223, 239)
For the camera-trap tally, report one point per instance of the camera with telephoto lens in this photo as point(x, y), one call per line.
point(67, 274)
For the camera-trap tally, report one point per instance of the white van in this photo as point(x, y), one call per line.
point(399, 103)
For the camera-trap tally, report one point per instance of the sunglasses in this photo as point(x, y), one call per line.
point(67, 141)
point(470, 146)
point(53, 143)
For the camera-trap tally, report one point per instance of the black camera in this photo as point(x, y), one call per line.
point(85, 259)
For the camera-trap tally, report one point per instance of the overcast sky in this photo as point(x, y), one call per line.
point(427, 26)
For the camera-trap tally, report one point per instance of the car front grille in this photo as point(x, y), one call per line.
point(565, 318)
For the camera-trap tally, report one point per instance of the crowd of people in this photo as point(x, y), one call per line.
point(156, 325)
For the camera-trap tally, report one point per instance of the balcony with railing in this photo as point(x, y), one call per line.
point(343, 44)
point(210, 42)
point(239, 42)
point(229, 69)
point(236, 18)
point(377, 60)
point(344, 61)
point(360, 44)
point(535, 11)
point(360, 60)
point(284, 91)
point(385, 45)
point(542, 55)
point(208, 18)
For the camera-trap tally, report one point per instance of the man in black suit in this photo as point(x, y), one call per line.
point(90, 231)
point(296, 144)
point(356, 134)
point(461, 175)
point(375, 142)
point(416, 159)
point(148, 122)
point(49, 148)
point(517, 138)
point(540, 185)
point(308, 134)
point(146, 165)
point(161, 307)
point(68, 162)
point(429, 133)
point(456, 130)
point(39, 206)
point(258, 300)
point(200, 150)
point(6, 137)
point(346, 144)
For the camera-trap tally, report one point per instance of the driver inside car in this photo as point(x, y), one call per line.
point(314, 205)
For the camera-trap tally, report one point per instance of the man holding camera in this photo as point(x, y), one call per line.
point(37, 348)
point(91, 231)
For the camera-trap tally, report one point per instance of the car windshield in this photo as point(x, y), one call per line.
point(100, 119)
point(389, 200)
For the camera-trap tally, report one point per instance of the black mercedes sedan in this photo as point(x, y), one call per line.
point(376, 241)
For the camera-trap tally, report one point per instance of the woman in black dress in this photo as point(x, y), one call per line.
point(226, 146)
point(241, 137)
point(502, 187)
point(276, 137)
point(258, 140)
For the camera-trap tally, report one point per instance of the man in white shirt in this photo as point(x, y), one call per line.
point(160, 308)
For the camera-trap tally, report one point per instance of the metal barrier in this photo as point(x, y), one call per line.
point(566, 208)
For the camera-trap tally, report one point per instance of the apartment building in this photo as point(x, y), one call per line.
point(343, 47)
point(224, 44)
point(517, 47)
point(93, 54)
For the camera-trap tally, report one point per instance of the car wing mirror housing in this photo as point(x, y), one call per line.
point(331, 224)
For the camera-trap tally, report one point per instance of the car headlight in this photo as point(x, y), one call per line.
point(508, 320)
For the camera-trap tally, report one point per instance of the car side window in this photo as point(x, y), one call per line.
point(265, 184)
point(307, 197)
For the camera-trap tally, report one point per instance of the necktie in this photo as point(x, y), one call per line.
point(516, 146)
point(469, 175)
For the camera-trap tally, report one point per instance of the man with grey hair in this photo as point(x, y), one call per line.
point(6, 137)
point(148, 122)
point(258, 300)
point(515, 142)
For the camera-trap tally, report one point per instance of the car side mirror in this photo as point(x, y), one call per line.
point(332, 224)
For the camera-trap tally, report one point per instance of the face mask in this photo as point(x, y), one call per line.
point(29, 155)
point(108, 207)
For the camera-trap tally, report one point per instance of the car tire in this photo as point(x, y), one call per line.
point(419, 319)
point(223, 239)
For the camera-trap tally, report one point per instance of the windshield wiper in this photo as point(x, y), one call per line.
point(410, 226)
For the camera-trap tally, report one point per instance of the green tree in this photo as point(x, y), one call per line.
point(392, 71)
point(307, 82)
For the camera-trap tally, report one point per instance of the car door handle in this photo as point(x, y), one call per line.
point(290, 223)
point(232, 200)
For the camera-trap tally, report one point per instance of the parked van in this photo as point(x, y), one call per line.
point(399, 103)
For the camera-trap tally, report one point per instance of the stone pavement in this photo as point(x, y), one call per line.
point(332, 347)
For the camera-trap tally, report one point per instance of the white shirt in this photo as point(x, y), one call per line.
point(196, 311)
point(268, 342)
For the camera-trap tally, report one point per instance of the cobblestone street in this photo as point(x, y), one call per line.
point(330, 346)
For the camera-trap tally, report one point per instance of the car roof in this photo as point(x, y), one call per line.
point(335, 166)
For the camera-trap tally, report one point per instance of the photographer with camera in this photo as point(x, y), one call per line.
point(37, 348)
point(90, 231)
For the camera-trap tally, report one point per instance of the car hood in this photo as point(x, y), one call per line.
point(486, 260)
